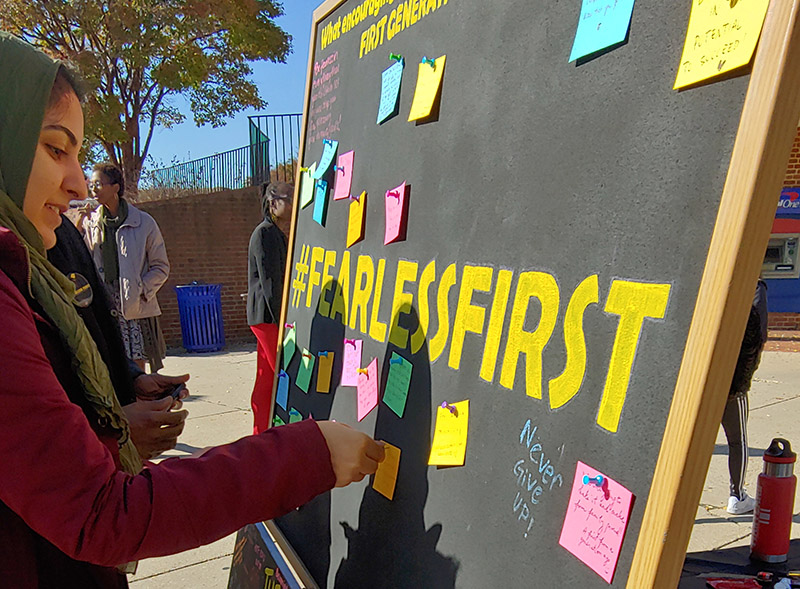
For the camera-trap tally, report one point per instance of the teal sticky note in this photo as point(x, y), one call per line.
point(307, 186)
point(321, 202)
point(283, 389)
point(276, 421)
point(396, 392)
point(289, 346)
point(305, 370)
point(390, 90)
point(327, 157)
point(602, 23)
point(294, 416)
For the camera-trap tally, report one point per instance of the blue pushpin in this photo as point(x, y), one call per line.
point(282, 373)
point(338, 169)
point(396, 361)
point(327, 141)
point(323, 354)
point(598, 480)
point(431, 62)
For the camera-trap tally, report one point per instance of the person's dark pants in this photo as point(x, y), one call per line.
point(734, 422)
point(261, 400)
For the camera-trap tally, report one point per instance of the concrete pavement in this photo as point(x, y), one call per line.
point(219, 412)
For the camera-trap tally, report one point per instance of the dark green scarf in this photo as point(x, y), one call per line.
point(108, 239)
point(26, 78)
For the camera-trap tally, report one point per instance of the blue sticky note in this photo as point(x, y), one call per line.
point(390, 90)
point(321, 202)
point(283, 389)
point(601, 23)
point(327, 157)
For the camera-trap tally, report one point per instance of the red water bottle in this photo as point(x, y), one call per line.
point(772, 520)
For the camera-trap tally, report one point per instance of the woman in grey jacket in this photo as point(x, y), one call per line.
point(130, 255)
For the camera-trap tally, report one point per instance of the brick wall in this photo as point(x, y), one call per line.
point(792, 177)
point(207, 237)
point(784, 321)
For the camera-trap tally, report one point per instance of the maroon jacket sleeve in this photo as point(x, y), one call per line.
point(61, 480)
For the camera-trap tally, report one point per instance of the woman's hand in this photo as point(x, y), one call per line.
point(354, 455)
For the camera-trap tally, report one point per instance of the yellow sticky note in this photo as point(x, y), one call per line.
point(429, 78)
point(324, 369)
point(721, 36)
point(355, 223)
point(386, 475)
point(450, 437)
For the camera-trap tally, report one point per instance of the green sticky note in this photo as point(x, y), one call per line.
point(289, 346)
point(276, 421)
point(305, 370)
point(294, 415)
point(396, 392)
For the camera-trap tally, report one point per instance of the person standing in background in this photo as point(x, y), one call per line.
point(734, 419)
point(266, 265)
point(130, 255)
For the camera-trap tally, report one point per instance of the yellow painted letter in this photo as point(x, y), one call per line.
point(565, 386)
point(438, 341)
point(531, 343)
point(495, 330)
point(401, 301)
point(313, 274)
point(377, 330)
point(341, 296)
point(428, 276)
point(468, 316)
point(362, 292)
point(324, 306)
point(632, 301)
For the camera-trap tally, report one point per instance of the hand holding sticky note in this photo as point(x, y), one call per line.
point(449, 446)
point(429, 80)
point(367, 388)
point(386, 475)
point(596, 520)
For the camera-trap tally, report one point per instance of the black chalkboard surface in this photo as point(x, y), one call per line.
point(579, 253)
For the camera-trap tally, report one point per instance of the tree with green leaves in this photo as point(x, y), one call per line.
point(136, 55)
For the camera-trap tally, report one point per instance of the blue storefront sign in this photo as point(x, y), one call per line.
point(789, 203)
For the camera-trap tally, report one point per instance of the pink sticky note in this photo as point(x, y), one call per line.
point(597, 517)
point(351, 362)
point(343, 175)
point(396, 213)
point(367, 389)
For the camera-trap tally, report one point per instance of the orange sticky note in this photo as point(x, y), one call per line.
point(449, 447)
point(355, 223)
point(429, 79)
point(324, 369)
point(386, 475)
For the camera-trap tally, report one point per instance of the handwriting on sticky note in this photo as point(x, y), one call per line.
point(386, 475)
point(356, 218)
point(324, 370)
point(294, 415)
point(320, 202)
point(305, 370)
point(289, 346)
point(327, 157)
point(367, 392)
point(721, 36)
point(396, 213)
point(390, 90)
point(283, 389)
point(397, 383)
point(351, 361)
point(307, 186)
point(597, 516)
point(449, 446)
point(429, 79)
point(600, 25)
point(343, 175)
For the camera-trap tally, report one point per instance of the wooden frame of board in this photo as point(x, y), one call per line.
point(747, 207)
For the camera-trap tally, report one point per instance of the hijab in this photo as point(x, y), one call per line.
point(26, 80)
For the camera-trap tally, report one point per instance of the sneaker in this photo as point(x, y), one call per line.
point(739, 506)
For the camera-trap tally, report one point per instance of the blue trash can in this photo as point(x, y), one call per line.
point(200, 310)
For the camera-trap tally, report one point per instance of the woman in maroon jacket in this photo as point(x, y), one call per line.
point(75, 502)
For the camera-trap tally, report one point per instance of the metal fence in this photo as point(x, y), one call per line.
point(271, 155)
point(277, 138)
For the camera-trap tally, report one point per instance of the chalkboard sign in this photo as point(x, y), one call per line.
point(530, 276)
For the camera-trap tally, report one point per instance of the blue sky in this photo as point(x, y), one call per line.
point(282, 85)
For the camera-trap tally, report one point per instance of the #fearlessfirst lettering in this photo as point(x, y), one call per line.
point(357, 304)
